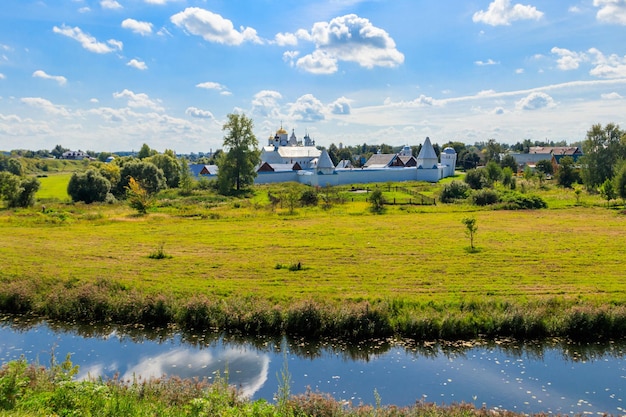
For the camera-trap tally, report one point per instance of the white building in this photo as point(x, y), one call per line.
point(282, 149)
point(316, 167)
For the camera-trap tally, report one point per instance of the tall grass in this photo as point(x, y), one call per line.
point(107, 302)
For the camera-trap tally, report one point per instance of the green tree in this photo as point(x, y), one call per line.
point(148, 175)
point(169, 165)
point(476, 179)
point(510, 162)
point(545, 166)
point(602, 149)
point(620, 182)
point(507, 176)
point(111, 172)
point(566, 174)
point(377, 201)
point(608, 191)
point(138, 197)
point(89, 187)
point(455, 190)
point(492, 151)
point(493, 171)
point(186, 181)
point(58, 151)
point(241, 156)
point(145, 152)
point(18, 191)
point(470, 229)
point(28, 188)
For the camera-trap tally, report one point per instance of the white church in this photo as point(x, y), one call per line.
point(285, 158)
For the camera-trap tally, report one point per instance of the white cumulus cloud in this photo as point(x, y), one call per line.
point(139, 100)
point(611, 66)
point(210, 85)
point(199, 113)
point(485, 63)
point(45, 105)
point(341, 106)
point(58, 78)
point(307, 108)
point(87, 41)
point(286, 39)
point(500, 12)
point(2, 76)
point(611, 11)
point(142, 28)
point(319, 62)
point(110, 4)
point(348, 38)
point(140, 65)
point(568, 60)
point(535, 101)
point(265, 103)
point(213, 27)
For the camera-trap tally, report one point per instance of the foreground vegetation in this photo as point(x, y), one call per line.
point(250, 265)
point(31, 390)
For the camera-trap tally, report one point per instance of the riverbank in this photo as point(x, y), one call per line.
point(341, 272)
point(27, 389)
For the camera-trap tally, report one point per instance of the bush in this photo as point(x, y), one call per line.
point(309, 198)
point(18, 191)
point(148, 175)
point(476, 179)
point(377, 202)
point(485, 197)
point(517, 201)
point(88, 187)
point(456, 190)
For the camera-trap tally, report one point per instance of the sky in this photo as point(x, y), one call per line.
point(111, 75)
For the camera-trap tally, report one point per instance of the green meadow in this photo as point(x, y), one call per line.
point(243, 264)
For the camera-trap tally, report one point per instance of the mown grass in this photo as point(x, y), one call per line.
point(53, 187)
point(536, 273)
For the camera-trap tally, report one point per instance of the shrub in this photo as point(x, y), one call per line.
point(138, 197)
point(145, 173)
point(18, 191)
point(515, 201)
point(377, 202)
point(456, 190)
point(476, 179)
point(309, 198)
point(89, 187)
point(485, 197)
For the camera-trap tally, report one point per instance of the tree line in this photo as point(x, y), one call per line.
point(600, 169)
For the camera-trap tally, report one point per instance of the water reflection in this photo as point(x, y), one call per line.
point(552, 376)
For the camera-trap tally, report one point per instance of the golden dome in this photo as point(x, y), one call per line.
point(281, 131)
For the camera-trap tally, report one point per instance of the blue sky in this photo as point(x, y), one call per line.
point(110, 75)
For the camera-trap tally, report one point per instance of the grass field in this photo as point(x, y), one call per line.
point(410, 260)
point(54, 187)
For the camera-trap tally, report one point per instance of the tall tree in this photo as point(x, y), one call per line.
point(240, 157)
point(620, 182)
point(169, 165)
point(602, 149)
point(566, 174)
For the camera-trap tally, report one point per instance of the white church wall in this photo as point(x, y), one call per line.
point(273, 177)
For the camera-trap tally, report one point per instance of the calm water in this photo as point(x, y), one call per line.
point(557, 378)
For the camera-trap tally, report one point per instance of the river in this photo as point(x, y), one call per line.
point(553, 377)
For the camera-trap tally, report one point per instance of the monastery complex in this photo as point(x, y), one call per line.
point(286, 158)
